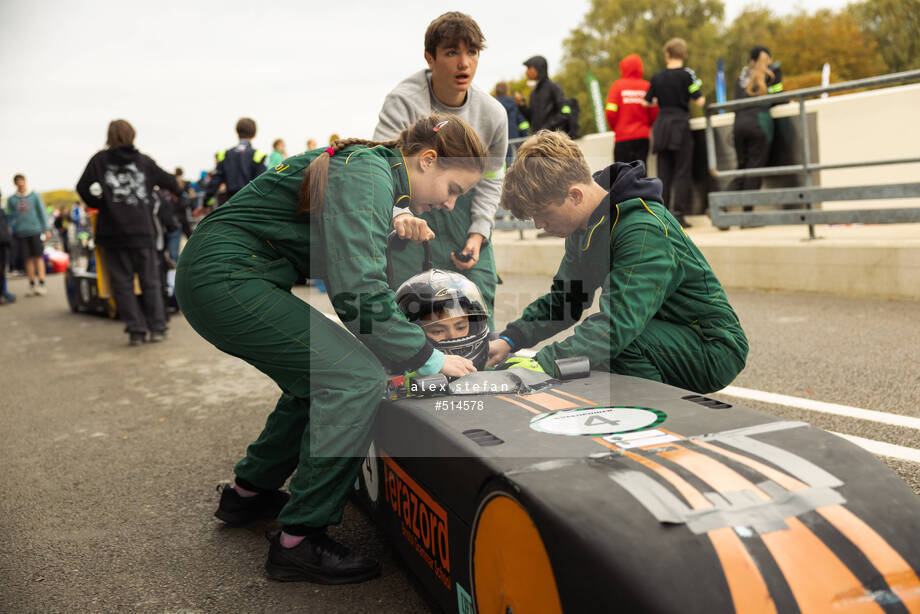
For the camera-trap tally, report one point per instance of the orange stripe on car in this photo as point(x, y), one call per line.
point(746, 585)
point(548, 401)
point(818, 579)
point(719, 476)
point(519, 404)
point(899, 576)
point(572, 396)
point(816, 576)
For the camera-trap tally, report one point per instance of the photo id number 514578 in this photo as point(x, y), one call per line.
point(449, 405)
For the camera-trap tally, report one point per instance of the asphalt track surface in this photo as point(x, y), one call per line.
point(111, 454)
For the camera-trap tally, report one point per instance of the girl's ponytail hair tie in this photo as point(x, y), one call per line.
point(330, 151)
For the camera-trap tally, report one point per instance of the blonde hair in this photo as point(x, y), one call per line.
point(456, 143)
point(760, 71)
point(546, 166)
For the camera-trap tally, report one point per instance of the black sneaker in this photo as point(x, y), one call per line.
point(237, 511)
point(320, 559)
point(157, 335)
point(137, 338)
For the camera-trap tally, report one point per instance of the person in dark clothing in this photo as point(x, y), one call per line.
point(119, 182)
point(518, 126)
point(238, 166)
point(671, 90)
point(6, 239)
point(753, 129)
point(546, 110)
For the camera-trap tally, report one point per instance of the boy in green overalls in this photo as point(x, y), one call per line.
point(663, 314)
point(321, 215)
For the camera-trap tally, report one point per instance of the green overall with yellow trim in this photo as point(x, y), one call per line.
point(234, 283)
point(663, 313)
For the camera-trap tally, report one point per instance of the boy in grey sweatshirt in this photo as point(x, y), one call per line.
point(452, 45)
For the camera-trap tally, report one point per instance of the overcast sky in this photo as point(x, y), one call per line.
point(182, 72)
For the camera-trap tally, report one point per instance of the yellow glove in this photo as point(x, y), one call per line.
point(519, 361)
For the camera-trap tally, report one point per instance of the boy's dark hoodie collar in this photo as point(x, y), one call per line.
point(624, 181)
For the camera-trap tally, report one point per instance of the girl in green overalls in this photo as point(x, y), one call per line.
point(322, 215)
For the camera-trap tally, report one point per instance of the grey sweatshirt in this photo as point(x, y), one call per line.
point(413, 99)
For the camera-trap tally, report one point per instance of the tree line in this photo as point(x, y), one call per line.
point(863, 39)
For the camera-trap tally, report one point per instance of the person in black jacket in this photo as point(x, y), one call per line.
point(547, 109)
point(238, 166)
point(753, 128)
point(672, 88)
point(6, 238)
point(119, 182)
point(518, 126)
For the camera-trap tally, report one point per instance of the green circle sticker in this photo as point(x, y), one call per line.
point(598, 421)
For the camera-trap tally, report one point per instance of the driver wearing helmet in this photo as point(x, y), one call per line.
point(451, 311)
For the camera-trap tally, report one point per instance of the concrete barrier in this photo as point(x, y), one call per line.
point(868, 261)
point(880, 261)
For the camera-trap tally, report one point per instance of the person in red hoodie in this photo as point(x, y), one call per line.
point(626, 115)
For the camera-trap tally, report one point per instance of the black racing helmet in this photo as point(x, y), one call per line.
point(438, 297)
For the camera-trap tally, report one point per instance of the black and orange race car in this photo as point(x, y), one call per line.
point(609, 493)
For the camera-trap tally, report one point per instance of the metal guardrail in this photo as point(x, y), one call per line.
point(807, 194)
point(503, 218)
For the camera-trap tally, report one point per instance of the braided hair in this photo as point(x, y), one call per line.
point(455, 142)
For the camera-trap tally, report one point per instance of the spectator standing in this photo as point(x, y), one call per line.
point(61, 222)
point(753, 129)
point(630, 120)
point(6, 238)
point(547, 109)
point(518, 126)
point(671, 89)
point(311, 144)
point(278, 153)
point(462, 242)
point(119, 182)
point(30, 227)
point(173, 214)
point(238, 166)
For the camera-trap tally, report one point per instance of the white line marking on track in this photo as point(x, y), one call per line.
point(820, 406)
point(883, 449)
